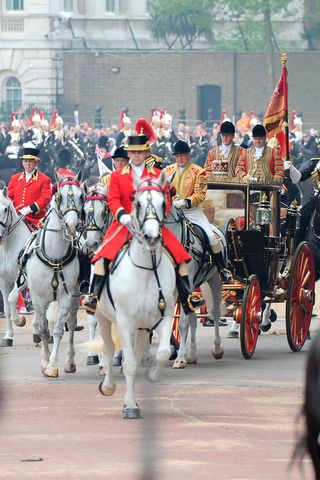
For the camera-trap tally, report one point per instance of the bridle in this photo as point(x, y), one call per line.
point(151, 212)
point(90, 222)
point(8, 226)
point(71, 204)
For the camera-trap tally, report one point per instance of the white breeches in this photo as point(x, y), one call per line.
point(196, 215)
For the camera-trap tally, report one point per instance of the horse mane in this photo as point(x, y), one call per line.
point(5, 200)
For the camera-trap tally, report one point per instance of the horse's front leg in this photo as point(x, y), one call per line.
point(192, 357)
point(107, 386)
point(7, 340)
point(216, 292)
point(64, 303)
point(40, 313)
point(163, 351)
point(70, 366)
point(180, 361)
point(142, 348)
point(129, 366)
point(92, 357)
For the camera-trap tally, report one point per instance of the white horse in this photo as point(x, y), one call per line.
point(52, 272)
point(209, 274)
point(97, 218)
point(143, 287)
point(13, 236)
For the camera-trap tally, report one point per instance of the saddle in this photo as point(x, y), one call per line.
point(204, 258)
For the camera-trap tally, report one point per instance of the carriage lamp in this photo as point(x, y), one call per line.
point(293, 216)
point(263, 214)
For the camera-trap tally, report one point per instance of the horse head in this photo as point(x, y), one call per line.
point(97, 216)
point(7, 213)
point(149, 210)
point(69, 200)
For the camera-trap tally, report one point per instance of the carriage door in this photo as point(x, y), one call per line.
point(209, 104)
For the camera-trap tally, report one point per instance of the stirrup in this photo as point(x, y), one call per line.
point(195, 302)
point(90, 303)
point(226, 276)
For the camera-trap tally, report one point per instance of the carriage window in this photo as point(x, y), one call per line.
point(234, 200)
point(111, 6)
point(13, 93)
point(14, 5)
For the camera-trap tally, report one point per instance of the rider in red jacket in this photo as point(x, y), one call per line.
point(120, 197)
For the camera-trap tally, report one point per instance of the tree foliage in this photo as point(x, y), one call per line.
point(181, 22)
point(311, 24)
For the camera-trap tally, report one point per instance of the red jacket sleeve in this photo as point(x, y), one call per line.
point(114, 197)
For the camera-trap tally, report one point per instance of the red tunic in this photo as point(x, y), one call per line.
point(35, 193)
point(120, 196)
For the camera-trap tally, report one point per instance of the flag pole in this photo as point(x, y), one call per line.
point(284, 58)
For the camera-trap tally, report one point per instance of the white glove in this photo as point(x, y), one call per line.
point(25, 210)
point(179, 203)
point(125, 219)
point(287, 164)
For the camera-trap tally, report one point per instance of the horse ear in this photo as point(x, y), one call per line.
point(85, 188)
point(4, 191)
point(79, 176)
point(58, 176)
point(104, 189)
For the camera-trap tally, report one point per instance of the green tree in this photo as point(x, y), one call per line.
point(181, 21)
point(311, 24)
point(261, 10)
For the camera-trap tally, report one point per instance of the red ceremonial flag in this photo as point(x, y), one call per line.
point(278, 106)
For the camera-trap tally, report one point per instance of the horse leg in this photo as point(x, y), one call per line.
point(141, 348)
point(164, 351)
point(19, 320)
point(180, 361)
point(129, 366)
point(70, 366)
point(92, 357)
point(40, 313)
point(7, 340)
point(266, 323)
point(52, 369)
point(192, 357)
point(234, 330)
point(107, 386)
point(216, 292)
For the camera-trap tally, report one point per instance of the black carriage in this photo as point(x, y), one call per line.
point(269, 266)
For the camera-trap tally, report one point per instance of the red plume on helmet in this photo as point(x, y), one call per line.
point(53, 119)
point(13, 117)
point(122, 115)
point(144, 128)
point(293, 117)
point(29, 121)
point(223, 117)
point(41, 115)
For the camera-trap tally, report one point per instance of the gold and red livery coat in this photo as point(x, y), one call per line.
point(120, 198)
point(35, 193)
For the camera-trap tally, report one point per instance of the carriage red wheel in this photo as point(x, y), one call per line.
point(300, 296)
point(175, 336)
point(250, 317)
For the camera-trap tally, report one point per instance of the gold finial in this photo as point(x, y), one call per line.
point(264, 197)
point(294, 203)
point(284, 58)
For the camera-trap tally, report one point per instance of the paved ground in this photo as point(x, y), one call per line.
point(231, 419)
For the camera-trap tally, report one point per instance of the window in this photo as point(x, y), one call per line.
point(111, 6)
point(68, 5)
point(13, 93)
point(14, 5)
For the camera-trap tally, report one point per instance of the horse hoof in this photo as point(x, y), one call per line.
point(50, 339)
point(51, 372)
point(265, 328)
point(131, 413)
point(179, 363)
point(233, 335)
point(92, 360)
point(36, 338)
point(218, 355)
point(273, 316)
point(21, 322)
point(107, 391)
point(102, 371)
point(192, 360)
point(70, 367)
point(7, 342)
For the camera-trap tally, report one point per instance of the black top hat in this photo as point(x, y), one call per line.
point(120, 153)
point(29, 153)
point(103, 141)
point(227, 127)
point(180, 147)
point(259, 131)
point(138, 143)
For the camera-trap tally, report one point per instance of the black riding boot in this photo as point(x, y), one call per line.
point(225, 274)
point(90, 301)
point(188, 301)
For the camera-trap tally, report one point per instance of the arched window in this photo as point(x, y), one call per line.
point(13, 93)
